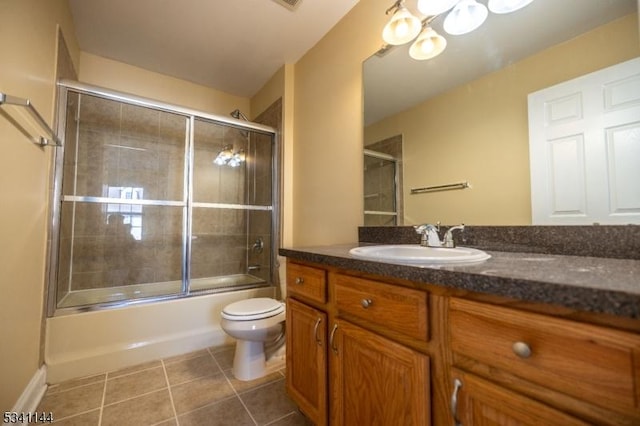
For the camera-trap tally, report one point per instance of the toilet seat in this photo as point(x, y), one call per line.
point(252, 309)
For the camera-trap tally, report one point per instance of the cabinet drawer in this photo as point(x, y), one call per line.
point(398, 309)
point(307, 282)
point(592, 363)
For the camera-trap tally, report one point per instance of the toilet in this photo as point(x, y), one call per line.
point(257, 324)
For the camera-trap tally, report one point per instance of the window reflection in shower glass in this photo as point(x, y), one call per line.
point(131, 214)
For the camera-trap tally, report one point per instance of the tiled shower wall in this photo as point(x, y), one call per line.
point(129, 151)
point(380, 187)
point(260, 221)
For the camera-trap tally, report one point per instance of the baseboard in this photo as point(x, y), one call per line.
point(33, 393)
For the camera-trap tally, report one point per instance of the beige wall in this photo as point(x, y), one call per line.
point(28, 46)
point(281, 85)
point(478, 132)
point(327, 160)
point(119, 76)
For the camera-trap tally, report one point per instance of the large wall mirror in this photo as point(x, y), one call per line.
point(462, 116)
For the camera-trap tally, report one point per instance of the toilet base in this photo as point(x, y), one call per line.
point(249, 361)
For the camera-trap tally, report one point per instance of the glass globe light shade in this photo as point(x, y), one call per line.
point(465, 17)
point(401, 28)
point(507, 6)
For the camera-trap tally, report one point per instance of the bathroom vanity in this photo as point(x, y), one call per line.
point(522, 338)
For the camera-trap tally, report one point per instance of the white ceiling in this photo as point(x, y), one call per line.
point(396, 82)
point(231, 45)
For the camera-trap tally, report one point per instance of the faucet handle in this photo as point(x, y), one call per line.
point(448, 236)
point(426, 227)
point(429, 234)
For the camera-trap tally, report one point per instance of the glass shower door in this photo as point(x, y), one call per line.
point(380, 189)
point(123, 206)
point(231, 211)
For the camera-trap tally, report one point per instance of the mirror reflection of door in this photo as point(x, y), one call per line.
point(383, 183)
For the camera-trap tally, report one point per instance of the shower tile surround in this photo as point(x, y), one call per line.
point(376, 181)
point(128, 146)
point(192, 389)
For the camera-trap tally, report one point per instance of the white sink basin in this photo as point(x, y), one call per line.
point(417, 254)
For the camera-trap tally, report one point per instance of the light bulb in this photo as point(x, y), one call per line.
point(401, 28)
point(429, 44)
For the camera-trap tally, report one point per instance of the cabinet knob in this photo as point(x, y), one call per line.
point(366, 303)
point(299, 280)
point(521, 349)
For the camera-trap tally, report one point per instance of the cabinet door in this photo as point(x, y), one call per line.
point(307, 359)
point(377, 381)
point(477, 402)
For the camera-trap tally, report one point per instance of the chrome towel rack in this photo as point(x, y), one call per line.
point(49, 138)
point(448, 187)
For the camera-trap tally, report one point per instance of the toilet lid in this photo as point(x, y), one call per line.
point(251, 309)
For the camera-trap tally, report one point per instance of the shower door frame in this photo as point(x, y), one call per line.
point(56, 196)
point(396, 185)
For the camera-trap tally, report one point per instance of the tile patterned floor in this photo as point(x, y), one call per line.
point(188, 390)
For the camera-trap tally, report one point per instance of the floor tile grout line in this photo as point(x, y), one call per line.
point(104, 396)
point(173, 405)
point(58, 420)
point(235, 391)
point(55, 392)
point(280, 418)
point(194, 379)
point(190, 355)
point(133, 372)
point(136, 396)
point(209, 404)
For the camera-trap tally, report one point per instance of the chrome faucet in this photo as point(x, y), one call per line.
point(430, 238)
point(429, 235)
point(448, 237)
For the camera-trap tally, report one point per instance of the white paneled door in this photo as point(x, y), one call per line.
point(584, 148)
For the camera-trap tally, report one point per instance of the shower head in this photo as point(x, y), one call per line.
point(237, 114)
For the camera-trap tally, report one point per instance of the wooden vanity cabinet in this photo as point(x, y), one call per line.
point(343, 373)
point(374, 379)
point(363, 351)
point(478, 402)
point(583, 370)
point(307, 323)
point(307, 359)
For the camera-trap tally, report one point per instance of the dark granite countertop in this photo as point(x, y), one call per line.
point(592, 284)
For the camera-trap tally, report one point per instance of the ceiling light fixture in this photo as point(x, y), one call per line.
point(463, 17)
point(230, 158)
